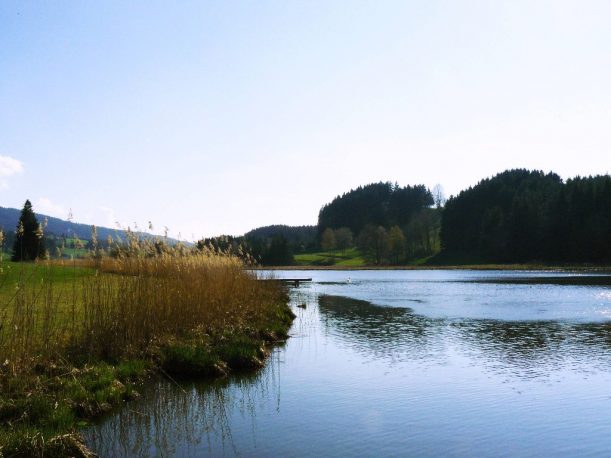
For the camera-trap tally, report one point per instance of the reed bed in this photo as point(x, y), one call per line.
point(111, 308)
point(65, 326)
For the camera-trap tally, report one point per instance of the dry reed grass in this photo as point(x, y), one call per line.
point(123, 306)
point(76, 336)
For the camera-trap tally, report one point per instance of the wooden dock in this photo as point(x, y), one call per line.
point(287, 281)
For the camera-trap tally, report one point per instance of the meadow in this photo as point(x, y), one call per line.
point(78, 337)
point(351, 257)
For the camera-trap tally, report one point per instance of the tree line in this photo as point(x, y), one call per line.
point(388, 223)
point(378, 204)
point(375, 218)
point(521, 215)
point(268, 246)
point(516, 216)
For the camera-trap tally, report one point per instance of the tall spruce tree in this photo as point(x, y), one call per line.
point(29, 241)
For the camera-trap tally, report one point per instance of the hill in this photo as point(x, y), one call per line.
point(58, 228)
point(377, 204)
point(299, 237)
point(9, 218)
point(522, 216)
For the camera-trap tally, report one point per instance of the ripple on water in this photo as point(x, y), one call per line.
point(403, 363)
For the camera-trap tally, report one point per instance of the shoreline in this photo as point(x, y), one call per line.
point(71, 397)
point(483, 267)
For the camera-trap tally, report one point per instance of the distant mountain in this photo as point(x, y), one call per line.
point(9, 218)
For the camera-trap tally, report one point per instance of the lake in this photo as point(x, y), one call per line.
point(402, 363)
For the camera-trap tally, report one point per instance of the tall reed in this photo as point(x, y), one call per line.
point(124, 306)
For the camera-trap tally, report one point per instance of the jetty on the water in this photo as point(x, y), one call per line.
point(287, 281)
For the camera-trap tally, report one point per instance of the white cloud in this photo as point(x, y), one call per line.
point(45, 206)
point(8, 167)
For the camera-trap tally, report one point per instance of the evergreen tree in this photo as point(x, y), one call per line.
point(279, 253)
point(378, 204)
point(29, 241)
point(522, 216)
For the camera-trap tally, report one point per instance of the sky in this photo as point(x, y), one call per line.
point(218, 117)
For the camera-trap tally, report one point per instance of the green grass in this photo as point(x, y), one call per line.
point(34, 408)
point(215, 355)
point(75, 253)
point(35, 278)
point(349, 258)
point(32, 272)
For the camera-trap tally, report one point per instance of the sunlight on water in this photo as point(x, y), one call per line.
point(605, 296)
point(396, 363)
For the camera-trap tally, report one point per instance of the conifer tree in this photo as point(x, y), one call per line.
point(29, 241)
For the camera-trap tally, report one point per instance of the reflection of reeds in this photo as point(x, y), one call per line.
point(200, 421)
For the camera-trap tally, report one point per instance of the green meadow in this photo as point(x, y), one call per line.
point(349, 258)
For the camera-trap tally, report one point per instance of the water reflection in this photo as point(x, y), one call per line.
point(570, 280)
point(379, 332)
point(454, 368)
point(516, 348)
point(186, 418)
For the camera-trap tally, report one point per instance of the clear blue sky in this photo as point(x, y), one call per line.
point(218, 117)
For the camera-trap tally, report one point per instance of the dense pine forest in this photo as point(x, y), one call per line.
point(521, 215)
point(379, 204)
point(516, 216)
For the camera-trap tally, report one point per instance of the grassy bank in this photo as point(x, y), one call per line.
point(347, 258)
point(77, 339)
point(352, 259)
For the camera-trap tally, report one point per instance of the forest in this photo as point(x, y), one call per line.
point(389, 224)
point(268, 245)
point(523, 216)
point(516, 216)
point(378, 204)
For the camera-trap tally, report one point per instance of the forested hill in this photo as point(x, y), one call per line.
point(516, 216)
point(377, 204)
point(522, 215)
point(296, 235)
point(9, 218)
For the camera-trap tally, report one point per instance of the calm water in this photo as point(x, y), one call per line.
point(403, 363)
